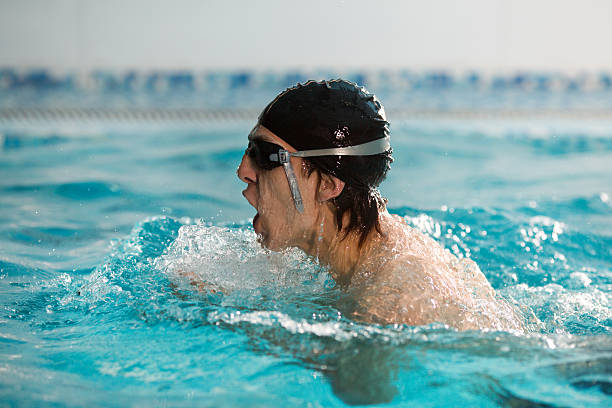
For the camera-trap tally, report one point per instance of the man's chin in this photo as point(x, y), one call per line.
point(269, 244)
point(264, 237)
point(266, 244)
point(261, 241)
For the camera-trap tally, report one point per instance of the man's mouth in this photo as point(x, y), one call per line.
point(256, 217)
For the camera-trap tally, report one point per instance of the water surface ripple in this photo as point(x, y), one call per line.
point(129, 276)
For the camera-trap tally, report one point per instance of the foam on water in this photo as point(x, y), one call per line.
point(539, 268)
point(286, 305)
point(232, 259)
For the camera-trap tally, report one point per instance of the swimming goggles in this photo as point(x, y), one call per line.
point(268, 156)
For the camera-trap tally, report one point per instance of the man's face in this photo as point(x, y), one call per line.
point(277, 222)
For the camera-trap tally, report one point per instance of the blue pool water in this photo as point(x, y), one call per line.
point(96, 221)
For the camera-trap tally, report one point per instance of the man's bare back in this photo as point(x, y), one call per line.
point(411, 279)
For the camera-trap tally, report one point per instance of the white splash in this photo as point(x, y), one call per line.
point(225, 259)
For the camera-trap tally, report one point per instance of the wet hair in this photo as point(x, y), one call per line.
point(337, 113)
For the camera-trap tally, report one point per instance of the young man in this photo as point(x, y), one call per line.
point(312, 168)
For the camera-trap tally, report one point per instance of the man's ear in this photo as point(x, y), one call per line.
point(330, 187)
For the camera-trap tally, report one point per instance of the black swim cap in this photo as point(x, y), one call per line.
point(336, 113)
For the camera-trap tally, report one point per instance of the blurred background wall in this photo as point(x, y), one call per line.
point(485, 35)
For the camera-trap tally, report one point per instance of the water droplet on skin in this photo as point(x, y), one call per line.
point(341, 134)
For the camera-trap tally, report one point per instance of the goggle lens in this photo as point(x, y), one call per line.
point(261, 151)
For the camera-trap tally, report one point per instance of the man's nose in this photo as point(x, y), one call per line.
point(246, 171)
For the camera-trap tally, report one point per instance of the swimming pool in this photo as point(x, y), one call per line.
point(97, 217)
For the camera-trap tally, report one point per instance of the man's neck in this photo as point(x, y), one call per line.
point(339, 250)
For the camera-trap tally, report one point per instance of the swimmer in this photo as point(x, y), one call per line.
point(313, 165)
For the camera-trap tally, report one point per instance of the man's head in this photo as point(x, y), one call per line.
point(334, 115)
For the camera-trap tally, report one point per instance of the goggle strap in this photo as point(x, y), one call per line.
point(365, 149)
point(295, 191)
